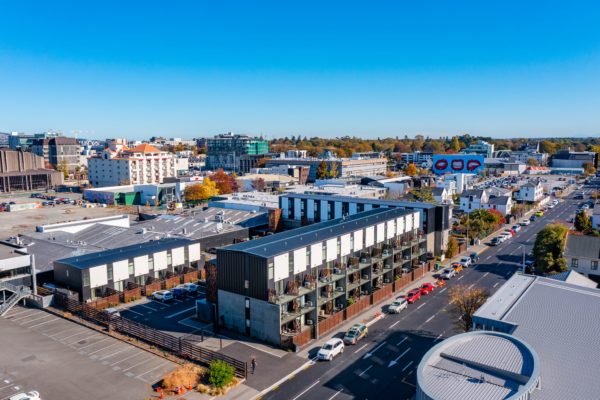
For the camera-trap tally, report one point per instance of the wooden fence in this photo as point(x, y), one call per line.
point(132, 293)
point(302, 338)
point(358, 307)
point(328, 324)
point(150, 288)
point(383, 293)
point(171, 282)
point(401, 283)
point(191, 276)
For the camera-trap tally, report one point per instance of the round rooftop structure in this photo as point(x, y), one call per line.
point(479, 365)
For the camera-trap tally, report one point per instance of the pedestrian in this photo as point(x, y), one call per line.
point(253, 364)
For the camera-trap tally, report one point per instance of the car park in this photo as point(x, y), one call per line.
point(398, 305)
point(447, 273)
point(33, 395)
point(162, 295)
point(413, 296)
point(466, 261)
point(189, 288)
point(426, 288)
point(457, 267)
point(355, 333)
point(330, 349)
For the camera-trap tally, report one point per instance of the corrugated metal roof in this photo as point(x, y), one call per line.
point(583, 246)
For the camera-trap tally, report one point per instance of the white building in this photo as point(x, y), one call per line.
point(473, 199)
point(488, 199)
point(139, 165)
point(532, 192)
point(583, 254)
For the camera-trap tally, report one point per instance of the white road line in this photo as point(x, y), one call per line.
point(370, 353)
point(35, 319)
point(180, 312)
point(438, 338)
point(336, 393)
point(368, 368)
point(394, 324)
point(103, 348)
point(79, 340)
point(421, 305)
point(496, 284)
point(145, 306)
point(443, 290)
point(406, 366)
point(155, 368)
point(486, 274)
point(363, 346)
point(471, 285)
point(59, 332)
point(116, 352)
point(25, 316)
point(402, 341)
point(140, 363)
point(306, 390)
point(430, 318)
point(42, 323)
point(93, 344)
point(135, 312)
point(127, 358)
point(17, 313)
point(76, 334)
point(460, 277)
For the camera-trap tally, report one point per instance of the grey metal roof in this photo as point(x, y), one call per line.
point(388, 203)
point(279, 243)
point(561, 321)
point(583, 246)
point(575, 278)
point(478, 193)
point(437, 191)
point(478, 365)
point(102, 257)
point(499, 200)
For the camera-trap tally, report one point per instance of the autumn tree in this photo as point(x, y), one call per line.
point(582, 222)
point(333, 170)
point(533, 162)
point(589, 168)
point(225, 183)
point(259, 184)
point(455, 145)
point(201, 191)
point(452, 249)
point(322, 170)
point(465, 302)
point(549, 147)
point(411, 169)
point(62, 167)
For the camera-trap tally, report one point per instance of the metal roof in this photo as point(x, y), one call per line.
point(478, 365)
point(575, 278)
point(583, 246)
point(389, 203)
point(103, 257)
point(279, 243)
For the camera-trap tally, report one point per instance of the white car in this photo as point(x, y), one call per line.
point(330, 349)
point(33, 395)
point(466, 261)
point(525, 222)
point(448, 273)
point(162, 295)
point(190, 288)
point(398, 305)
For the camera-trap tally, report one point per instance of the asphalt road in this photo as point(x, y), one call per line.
point(383, 365)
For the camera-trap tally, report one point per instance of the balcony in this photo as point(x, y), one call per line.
point(292, 315)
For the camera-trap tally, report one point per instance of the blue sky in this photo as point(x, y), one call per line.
point(371, 69)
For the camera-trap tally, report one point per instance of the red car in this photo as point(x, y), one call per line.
point(413, 295)
point(426, 288)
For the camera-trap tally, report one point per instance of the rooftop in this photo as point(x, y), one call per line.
point(337, 189)
point(143, 148)
point(583, 246)
point(273, 245)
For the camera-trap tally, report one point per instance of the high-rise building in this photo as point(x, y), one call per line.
point(224, 151)
point(58, 151)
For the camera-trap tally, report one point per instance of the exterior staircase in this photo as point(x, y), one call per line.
point(18, 293)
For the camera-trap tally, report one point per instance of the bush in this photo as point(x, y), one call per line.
point(220, 374)
point(187, 374)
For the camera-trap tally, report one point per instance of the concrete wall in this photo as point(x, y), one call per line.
point(264, 316)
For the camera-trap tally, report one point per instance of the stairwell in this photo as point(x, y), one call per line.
point(18, 293)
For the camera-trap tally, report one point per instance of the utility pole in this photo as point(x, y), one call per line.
point(33, 273)
point(523, 258)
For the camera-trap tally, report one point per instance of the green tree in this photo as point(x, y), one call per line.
point(455, 145)
point(452, 249)
point(548, 249)
point(333, 170)
point(220, 373)
point(423, 194)
point(582, 222)
point(322, 170)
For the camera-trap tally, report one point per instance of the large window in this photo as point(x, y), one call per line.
point(594, 265)
point(574, 263)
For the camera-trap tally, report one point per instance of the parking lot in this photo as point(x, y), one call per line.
point(45, 352)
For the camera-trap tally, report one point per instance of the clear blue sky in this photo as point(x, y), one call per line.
point(325, 68)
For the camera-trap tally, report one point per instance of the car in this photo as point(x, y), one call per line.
point(398, 305)
point(447, 273)
point(495, 241)
point(474, 257)
point(466, 261)
point(516, 228)
point(525, 222)
point(178, 292)
point(190, 288)
point(162, 295)
point(457, 267)
point(511, 231)
point(355, 333)
point(539, 214)
point(532, 218)
point(426, 288)
point(330, 349)
point(439, 283)
point(413, 296)
point(33, 395)
point(112, 312)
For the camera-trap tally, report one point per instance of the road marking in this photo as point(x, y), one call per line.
point(395, 361)
point(42, 323)
point(362, 373)
point(306, 390)
point(443, 290)
point(496, 284)
point(406, 366)
point(77, 334)
point(460, 277)
point(116, 352)
point(155, 368)
point(180, 312)
point(93, 344)
point(58, 333)
point(486, 274)
point(394, 324)
point(438, 338)
point(25, 316)
point(338, 392)
point(402, 341)
point(363, 346)
point(421, 305)
point(369, 354)
point(35, 319)
point(430, 318)
point(140, 363)
point(471, 285)
point(135, 312)
point(126, 358)
point(145, 306)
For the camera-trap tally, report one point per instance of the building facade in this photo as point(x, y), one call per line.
point(583, 255)
point(346, 167)
point(59, 151)
point(224, 151)
point(574, 159)
point(20, 171)
point(284, 285)
point(142, 164)
point(481, 147)
point(531, 192)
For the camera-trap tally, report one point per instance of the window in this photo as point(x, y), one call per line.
point(594, 265)
point(109, 272)
point(130, 267)
point(574, 263)
point(86, 278)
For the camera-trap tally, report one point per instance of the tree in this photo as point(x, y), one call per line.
point(455, 145)
point(548, 249)
point(322, 170)
point(549, 147)
point(589, 168)
point(452, 249)
point(220, 373)
point(465, 302)
point(62, 167)
point(201, 191)
point(333, 170)
point(411, 169)
point(259, 184)
point(582, 222)
point(533, 162)
point(225, 183)
point(423, 194)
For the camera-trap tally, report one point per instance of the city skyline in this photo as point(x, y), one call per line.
point(194, 69)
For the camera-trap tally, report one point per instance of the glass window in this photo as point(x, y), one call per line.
point(86, 278)
point(109, 272)
point(574, 263)
point(130, 267)
point(594, 265)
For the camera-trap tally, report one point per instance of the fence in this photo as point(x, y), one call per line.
point(358, 307)
point(328, 324)
point(383, 293)
point(178, 345)
point(132, 293)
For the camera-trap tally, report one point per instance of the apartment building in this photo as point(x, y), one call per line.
point(93, 274)
point(224, 151)
point(531, 192)
point(286, 285)
point(123, 166)
point(59, 151)
point(307, 208)
point(346, 167)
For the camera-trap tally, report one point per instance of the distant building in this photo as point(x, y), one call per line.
point(460, 182)
point(4, 140)
point(523, 156)
point(531, 192)
point(271, 182)
point(396, 185)
point(441, 195)
point(481, 147)
point(346, 167)
point(58, 151)
point(298, 172)
point(224, 151)
point(574, 159)
point(422, 159)
point(123, 166)
point(20, 171)
point(22, 141)
point(15, 265)
point(583, 255)
point(486, 199)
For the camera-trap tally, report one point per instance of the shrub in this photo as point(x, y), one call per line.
point(187, 374)
point(220, 374)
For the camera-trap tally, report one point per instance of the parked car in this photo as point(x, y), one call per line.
point(457, 267)
point(190, 288)
point(330, 349)
point(474, 257)
point(495, 241)
point(539, 213)
point(162, 295)
point(178, 292)
point(413, 296)
point(516, 228)
point(426, 288)
point(448, 273)
point(398, 305)
point(439, 283)
point(466, 261)
point(33, 395)
point(532, 218)
point(525, 222)
point(355, 333)
point(112, 312)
